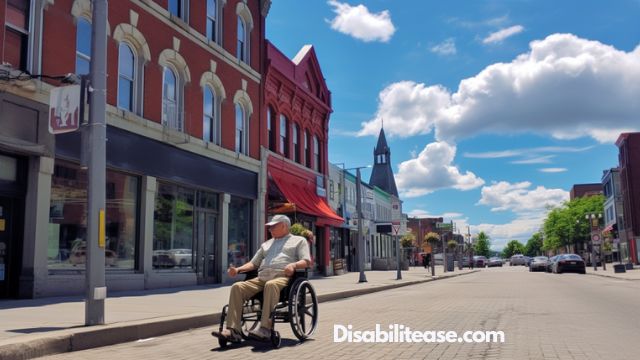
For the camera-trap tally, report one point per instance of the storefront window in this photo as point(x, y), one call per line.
point(173, 227)
point(68, 218)
point(239, 231)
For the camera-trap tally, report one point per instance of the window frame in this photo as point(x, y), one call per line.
point(243, 147)
point(284, 136)
point(316, 154)
point(213, 118)
point(133, 79)
point(178, 98)
point(242, 47)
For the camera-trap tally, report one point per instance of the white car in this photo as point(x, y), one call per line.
point(518, 259)
point(181, 257)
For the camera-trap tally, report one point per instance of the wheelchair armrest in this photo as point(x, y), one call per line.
point(250, 275)
point(300, 273)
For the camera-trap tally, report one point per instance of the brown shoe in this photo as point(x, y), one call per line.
point(231, 335)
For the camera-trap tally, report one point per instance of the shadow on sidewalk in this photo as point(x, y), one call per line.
point(25, 303)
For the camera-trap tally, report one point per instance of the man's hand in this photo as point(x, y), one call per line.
point(232, 271)
point(290, 269)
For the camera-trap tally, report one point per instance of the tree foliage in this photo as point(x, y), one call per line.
point(513, 247)
point(482, 245)
point(432, 238)
point(534, 245)
point(567, 225)
point(408, 240)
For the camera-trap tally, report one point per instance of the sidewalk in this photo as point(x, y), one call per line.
point(629, 275)
point(31, 328)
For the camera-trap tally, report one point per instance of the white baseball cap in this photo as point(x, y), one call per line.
point(278, 219)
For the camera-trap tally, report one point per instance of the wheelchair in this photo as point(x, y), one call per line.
point(298, 306)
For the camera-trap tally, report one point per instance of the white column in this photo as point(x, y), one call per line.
point(224, 236)
point(147, 207)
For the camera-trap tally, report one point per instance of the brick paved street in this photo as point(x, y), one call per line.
point(544, 316)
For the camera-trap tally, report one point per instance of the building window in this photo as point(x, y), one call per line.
point(271, 126)
point(68, 222)
point(296, 143)
point(316, 152)
point(212, 20)
point(170, 114)
point(284, 132)
point(126, 77)
point(17, 28)
point(83, 46)
point(242, 130)
point(242, 41)
point(238, 252)
point(307, 150)
point(210, 125)
point(173, 227)
point(179, 8)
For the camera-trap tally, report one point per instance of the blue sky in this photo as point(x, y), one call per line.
point(492, 109)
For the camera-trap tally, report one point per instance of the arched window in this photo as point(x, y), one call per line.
point(170, 116)
point(307, 150)
point(210, 123)
point(296, 143)
point(126, 77)
point(83, 46)
point(284, 135)
point(242, 130)
point(316, 152)
point(242, 41)
point(271, 126)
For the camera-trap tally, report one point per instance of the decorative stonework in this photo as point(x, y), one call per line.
point(128, 33)
point(242, 97)
point(133, 18)
point(243, 11)
point(170, 56)
point(212, 80)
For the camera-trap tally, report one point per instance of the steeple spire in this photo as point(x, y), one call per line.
point(382, 174)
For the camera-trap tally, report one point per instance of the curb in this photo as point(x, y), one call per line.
point(105, 335)
point(611, 277)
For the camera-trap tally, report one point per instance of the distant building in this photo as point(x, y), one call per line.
point(585, 190)
point(614, 213)
point(629, 164)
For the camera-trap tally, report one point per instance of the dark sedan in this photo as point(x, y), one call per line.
point(569, 263)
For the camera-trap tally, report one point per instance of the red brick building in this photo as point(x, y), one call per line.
point(629, 165)
point(184, 113)
point(295, 137)
point(585, 190)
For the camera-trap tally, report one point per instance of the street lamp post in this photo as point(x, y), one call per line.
point(344, 203)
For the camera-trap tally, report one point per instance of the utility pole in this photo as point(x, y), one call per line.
point(363, 278)
point(96, 291)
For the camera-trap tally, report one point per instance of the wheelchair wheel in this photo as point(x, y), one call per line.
point(303, 309)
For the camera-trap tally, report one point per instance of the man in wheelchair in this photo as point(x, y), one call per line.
point(276, 260)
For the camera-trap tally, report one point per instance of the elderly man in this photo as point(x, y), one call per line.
point(276, 261)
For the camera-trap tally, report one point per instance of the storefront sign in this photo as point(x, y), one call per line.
point(64, 109)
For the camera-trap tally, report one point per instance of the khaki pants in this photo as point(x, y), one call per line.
point(244, 290)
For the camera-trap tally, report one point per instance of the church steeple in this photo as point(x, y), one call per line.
point(382, 174)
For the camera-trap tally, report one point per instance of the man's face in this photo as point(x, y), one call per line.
point(279, 230)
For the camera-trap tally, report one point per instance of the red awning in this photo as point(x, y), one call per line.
point(303, 194)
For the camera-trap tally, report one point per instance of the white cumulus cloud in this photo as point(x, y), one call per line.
point(500, 234)
point(361, 24)
point(520, 198)
point(433, 169)
point(500, 35)
point(565, 86)
point(553, 170)
point(447, 47)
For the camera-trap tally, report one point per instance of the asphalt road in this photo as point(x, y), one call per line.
point(543, 316)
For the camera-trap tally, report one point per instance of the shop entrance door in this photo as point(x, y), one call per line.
point(207, 272)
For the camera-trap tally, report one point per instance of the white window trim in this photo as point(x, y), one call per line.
point(217, 100)
point(245, 125)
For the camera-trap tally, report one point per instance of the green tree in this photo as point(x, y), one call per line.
point(513, 247)
point(566, 225)
point(482, 245)
point(534, 245)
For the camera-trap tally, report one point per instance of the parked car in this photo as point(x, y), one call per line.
point(527, 260)
point(551, 261)
point(181, 257)
point(495, 261)
point(569, 262)
point(78, 256)
point(479, 261)
point(517, 259)
point(163, 259)
point(539, 263)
